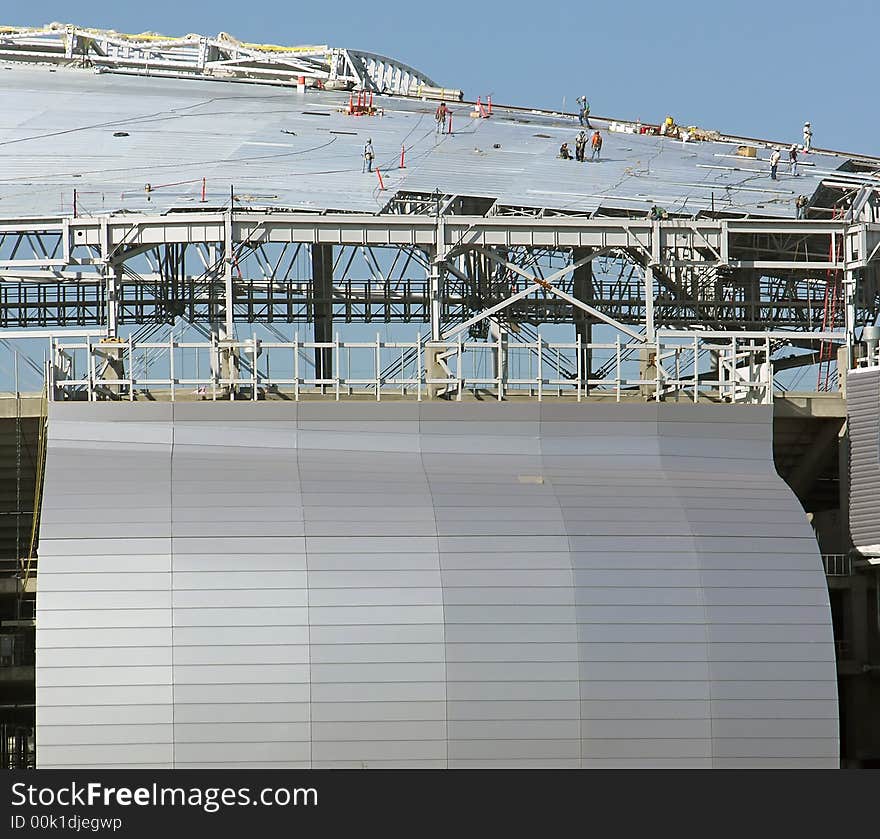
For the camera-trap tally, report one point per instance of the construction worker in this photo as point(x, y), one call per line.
point(564, 153)
point(774, 162)
point(441, 115)
point(596, 143)
point(580, 147)
point(800, 206)
point(368, 155)
point(808, 136)
point(793, 160)
point(584, 112)
point(658, 213)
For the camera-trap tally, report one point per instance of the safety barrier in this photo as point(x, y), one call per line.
point(671, 367)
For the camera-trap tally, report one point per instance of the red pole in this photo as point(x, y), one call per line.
point(402, 152)
point(381, 182)
point(204, 184)
point(450, 123)
point(371, 100)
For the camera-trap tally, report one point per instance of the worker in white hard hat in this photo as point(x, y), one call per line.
point(368, 155)
point(793, 160)
point(808, 136)
point(584, 111)
point(774, 162)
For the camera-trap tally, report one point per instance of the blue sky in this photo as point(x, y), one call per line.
point(753, 68)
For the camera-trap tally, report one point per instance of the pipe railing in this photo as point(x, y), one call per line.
point(669, 367)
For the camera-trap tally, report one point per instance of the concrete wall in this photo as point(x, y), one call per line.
point(427, 585)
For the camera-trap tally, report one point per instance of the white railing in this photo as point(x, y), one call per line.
point(691, 368)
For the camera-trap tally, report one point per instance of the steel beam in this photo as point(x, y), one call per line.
point(322, 308)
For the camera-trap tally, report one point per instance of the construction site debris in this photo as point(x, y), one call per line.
point(363, 107)
point(447, 93)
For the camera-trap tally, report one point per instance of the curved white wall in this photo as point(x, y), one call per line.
point(428, 585)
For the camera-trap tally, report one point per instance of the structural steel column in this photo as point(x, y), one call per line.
point(849, 295)
point(113, 275)
point(110, 349)
point(582, 289)
point(649, 303)
point(436, 280)
point(229, 366)
point(322, 308)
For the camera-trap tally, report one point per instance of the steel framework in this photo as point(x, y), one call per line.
point(463, 275)
point(220, 57)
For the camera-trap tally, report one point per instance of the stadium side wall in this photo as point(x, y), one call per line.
point(427, 585)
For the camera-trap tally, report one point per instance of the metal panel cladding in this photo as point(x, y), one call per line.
point(863, 409)
point(427, 585)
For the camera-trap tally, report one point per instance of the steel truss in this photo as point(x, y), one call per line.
point(221, 57)
point(467, 276)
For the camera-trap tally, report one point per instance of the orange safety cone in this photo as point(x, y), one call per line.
point(489, 102)
point(449, 130)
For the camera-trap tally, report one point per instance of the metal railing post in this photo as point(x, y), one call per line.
point(540, 368)
point(419, 367)
point(378, 368)
point(255, 374)
point(171, 362)
point(617, 375)
point(296, 367)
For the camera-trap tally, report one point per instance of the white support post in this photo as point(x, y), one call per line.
point(540, 368)
point(436, 279)
point(657, 371)
point(419, 368)
point(296, 367)
point(378, 368)
point(459, 384)
point(228, 326)
point(171, 362)
point(130, 370)
point(732, 377)
point(849, 295)
point(113, 276)
point(255, 376)
point(91, 369)
point(336, 368)
point(617, 358)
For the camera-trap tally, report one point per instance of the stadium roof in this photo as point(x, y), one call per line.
point(108, 135)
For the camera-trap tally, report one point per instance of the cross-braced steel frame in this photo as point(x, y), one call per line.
point(457, 273)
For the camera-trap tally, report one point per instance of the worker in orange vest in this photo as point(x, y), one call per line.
point(440, 115)
point(596, 143)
